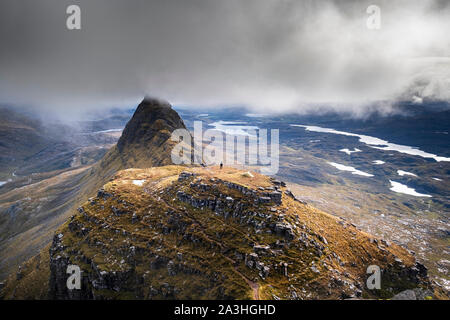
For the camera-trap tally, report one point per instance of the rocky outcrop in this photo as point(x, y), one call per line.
point(198, 236)
point(414, 294)
point(244, 210)
point(58, 288)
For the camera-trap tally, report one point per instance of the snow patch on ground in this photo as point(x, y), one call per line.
point(437, 179)
point(109, 130)
point(235, 128)
point(401, 188)
point(138, 182)
point(248, 174)
point(378, 162)
point(349, 152)
point(405, 173)
point(256, 115)
point(377, 143)
point(350, 169)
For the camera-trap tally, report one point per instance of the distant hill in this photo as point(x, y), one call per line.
point(30, 146)
point(20, 137)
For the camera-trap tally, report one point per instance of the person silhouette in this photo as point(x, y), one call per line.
point(221, 165)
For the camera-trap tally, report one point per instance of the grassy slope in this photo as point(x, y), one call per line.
point(32, 282)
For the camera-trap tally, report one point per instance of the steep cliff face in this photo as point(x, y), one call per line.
point(167, 233)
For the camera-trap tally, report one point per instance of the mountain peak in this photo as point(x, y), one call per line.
point(152, 119)
point(150, 100)
point(145, 141)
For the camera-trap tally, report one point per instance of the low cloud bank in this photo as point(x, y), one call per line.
point(268, 55)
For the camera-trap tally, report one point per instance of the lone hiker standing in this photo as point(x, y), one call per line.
point(221, 165)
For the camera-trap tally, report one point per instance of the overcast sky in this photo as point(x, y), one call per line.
point(269, 55)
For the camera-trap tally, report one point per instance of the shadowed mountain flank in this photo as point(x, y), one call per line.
point(145, 141)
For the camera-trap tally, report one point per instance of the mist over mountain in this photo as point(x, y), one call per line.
point(271, 56)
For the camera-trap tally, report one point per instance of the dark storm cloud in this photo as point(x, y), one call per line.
point(274, 55)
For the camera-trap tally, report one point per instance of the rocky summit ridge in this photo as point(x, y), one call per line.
point(206, 233)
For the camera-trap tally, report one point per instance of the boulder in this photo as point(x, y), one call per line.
point(405, 295)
